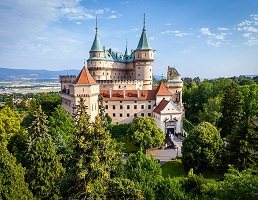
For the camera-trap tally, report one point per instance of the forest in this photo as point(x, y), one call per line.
point(47, 154)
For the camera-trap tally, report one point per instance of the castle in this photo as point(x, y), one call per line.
point(125, 82)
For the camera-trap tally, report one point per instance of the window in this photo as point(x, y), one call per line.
point(138, 67)
point(149, 106)
point(138, 74)
point(120, 101)
point(121, 106)
point(149, 114)
point(135, 106)
point(135, 101)
point(106, 106)
point(142, 106)
point(114, 114)
point(150, 76)
point(128, 115)
point(128, 106)
point(135, 115)
point(142, 114)
point(150, 70)
point(114, 107)
point(121, 115)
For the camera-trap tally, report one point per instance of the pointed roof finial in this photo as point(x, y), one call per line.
point(96, 24)
point(126, 51)
point(144, 21)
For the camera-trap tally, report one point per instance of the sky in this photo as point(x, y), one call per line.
point(204, 38)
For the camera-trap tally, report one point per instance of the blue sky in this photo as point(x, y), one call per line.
point(204, 38)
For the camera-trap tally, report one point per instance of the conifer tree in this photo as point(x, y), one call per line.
point(243, 143)
point(44, 168)
point(231, 111)
point(96, 156)
point(12, 181)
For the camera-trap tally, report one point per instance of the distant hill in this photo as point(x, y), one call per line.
point(7, 74)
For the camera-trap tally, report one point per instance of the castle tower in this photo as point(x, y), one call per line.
point(97, 57)
point(175, 84)
point(83, 86)
point(144, 58)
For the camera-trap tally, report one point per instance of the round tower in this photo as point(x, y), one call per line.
point(144, 57)
point(96, 61)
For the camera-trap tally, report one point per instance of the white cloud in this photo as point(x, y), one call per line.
point(214, 39)
point(205, 31)
point(176, 33)
point(249, 28)
point(223, 29)
point(151, 38)
point(113, 16)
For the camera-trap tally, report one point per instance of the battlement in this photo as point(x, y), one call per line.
point(67, 78)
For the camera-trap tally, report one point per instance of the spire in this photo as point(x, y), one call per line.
point(96, 45)
point(144, 42)
point(126, 51)
point(144, 22)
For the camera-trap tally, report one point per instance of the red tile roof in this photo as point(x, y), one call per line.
point(130, 95)
point(84, 77)
point(161, 106)
point(163, 90)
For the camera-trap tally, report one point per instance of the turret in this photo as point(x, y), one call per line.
point(97, 58)
point(96, 50)
point(144, 58)
point(175, 84)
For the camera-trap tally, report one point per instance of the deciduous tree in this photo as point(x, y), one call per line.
point(144, 132)
point(202, 148)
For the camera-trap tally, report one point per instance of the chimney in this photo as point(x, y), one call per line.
point(110, 93)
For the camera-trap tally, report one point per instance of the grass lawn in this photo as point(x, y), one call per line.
point(173, 168)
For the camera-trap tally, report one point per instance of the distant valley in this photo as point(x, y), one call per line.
point(28, 75)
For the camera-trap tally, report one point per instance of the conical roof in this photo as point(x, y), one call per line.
point(144, 42)
point(84, 77)
point(96, 45)
point(163, 90)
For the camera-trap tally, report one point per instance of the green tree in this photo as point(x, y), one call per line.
point(122, 189)
point(12, 182)
point(202, 148)
point(168, 188)
point(231, 111)
point(9, 124)
point(242, 144)
point(62, 130)
point(239, 185)
point(97, 156)
point(44, 168)
point(145, 171)
point(9, 102)
point(144, 132)
point(48, 102)
point(211, 111)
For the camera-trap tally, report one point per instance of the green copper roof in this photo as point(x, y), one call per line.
point(96, 46)
point(144, 42)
